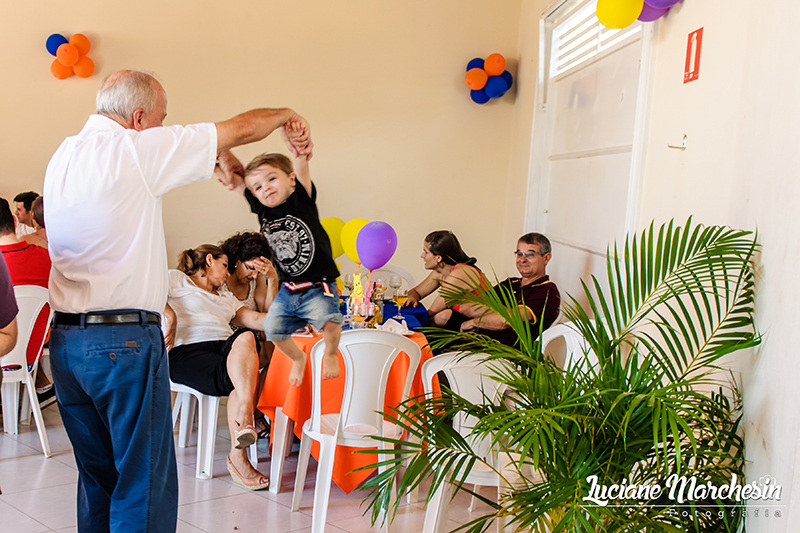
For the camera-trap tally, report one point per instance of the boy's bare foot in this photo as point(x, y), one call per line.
point(298, 371)
point(330, 366)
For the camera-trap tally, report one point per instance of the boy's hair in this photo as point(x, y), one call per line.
point(279, 161)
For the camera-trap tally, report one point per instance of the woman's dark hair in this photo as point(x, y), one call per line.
point(245, 246)
point(38, 210)
point(194, 259)
point(445, 244)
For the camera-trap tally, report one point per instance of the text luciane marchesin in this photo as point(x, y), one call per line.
point(683, 489)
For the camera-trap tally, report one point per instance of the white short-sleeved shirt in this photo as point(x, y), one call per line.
point(202, 316)
point(103, 216)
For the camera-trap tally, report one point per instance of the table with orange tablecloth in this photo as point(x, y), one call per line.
point(295, 403)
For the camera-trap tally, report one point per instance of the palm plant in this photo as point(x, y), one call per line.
point(678, 300)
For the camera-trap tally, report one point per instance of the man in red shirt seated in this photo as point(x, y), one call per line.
point(28, 265)
point(536, 295)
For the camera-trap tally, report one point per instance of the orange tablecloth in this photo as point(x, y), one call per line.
point(296, 402)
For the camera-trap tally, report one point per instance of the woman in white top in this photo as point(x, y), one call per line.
point(207, 355)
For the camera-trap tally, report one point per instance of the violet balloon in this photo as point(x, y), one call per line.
point(650, 13)
point(661, 4)
point(376, 244)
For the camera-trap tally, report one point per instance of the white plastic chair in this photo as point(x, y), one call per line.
point(387, 271)
point(368, 357)
point(471, 378)
point(564, 343)
point(30, 300)
point(207, 414)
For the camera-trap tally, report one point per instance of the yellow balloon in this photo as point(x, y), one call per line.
point(333, 227)
point(349, 235)
point(617, 14)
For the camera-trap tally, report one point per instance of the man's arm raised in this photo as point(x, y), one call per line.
point(257, 124)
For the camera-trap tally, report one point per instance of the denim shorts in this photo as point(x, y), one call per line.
point(292, 310)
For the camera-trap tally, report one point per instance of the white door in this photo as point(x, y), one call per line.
point(583, 188)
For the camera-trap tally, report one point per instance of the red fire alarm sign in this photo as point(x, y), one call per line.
point(692, 69)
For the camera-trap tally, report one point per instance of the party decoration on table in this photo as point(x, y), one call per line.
point(618, 14)
point(487, 78)
point(333, 227)
point(349, 235)
point(376, 244)
point(70, 56)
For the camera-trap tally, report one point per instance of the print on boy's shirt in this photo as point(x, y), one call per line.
point(292, 244)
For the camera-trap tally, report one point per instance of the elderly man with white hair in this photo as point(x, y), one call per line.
point(109, 283)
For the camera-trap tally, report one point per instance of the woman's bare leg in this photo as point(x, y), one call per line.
point(243, 370)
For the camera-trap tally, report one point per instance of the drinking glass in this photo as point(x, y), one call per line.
point(400, 297)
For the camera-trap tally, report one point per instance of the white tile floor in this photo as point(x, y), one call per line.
point(39, 493)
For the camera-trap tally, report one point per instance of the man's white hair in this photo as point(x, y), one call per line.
point(125, 91)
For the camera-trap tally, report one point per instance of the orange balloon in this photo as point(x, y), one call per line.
point(81, 43)
point(60, 71)
point(475, 78)
point(67, 55)
point(494, 65)
point(84, 67)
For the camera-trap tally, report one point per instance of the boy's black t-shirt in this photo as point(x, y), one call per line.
point(301, 249)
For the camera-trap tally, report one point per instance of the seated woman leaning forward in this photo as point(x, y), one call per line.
point(254, 282)
point(449, 264)
point(207, 355)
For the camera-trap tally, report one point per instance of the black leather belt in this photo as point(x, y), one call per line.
point(105, 319)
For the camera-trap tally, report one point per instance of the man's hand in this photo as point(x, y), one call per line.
point(469, 325)
point(231, 171)
point(296, 134)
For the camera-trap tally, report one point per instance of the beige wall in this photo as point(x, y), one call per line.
point(740, 169)
point(397, 137)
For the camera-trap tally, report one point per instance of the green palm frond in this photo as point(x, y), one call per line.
point(674, 303)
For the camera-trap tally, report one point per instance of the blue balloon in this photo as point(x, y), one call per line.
point(475, 63)
point(479, 97)
point(496, 87)
point(506, 75)
point(54, 41)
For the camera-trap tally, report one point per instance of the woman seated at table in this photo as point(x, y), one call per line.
point(207, 355)
point(254, 282)
point(449, 264)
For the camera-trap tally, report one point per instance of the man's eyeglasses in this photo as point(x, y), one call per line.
point(527, 255)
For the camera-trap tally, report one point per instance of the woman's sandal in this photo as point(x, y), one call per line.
point(245, 437)
point(255, 483)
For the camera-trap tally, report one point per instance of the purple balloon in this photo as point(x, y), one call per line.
point(650, 13)
point(661, 4)
point(376, 244)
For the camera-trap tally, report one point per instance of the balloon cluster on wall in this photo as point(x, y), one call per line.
point(371, 244)
point(617, 14)
point(488, 78)
point(70, 56)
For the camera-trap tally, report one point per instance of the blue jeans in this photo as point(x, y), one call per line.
point(112, 387)
point(292, 310)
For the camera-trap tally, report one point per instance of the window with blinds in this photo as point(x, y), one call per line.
point(581, 38)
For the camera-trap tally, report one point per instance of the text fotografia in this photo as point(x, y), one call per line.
point(683, 489)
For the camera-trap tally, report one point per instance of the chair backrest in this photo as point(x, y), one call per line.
point(30, 300)
point(386, 271)
point(563, 343)
point(368, 357)
point(471, 378)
